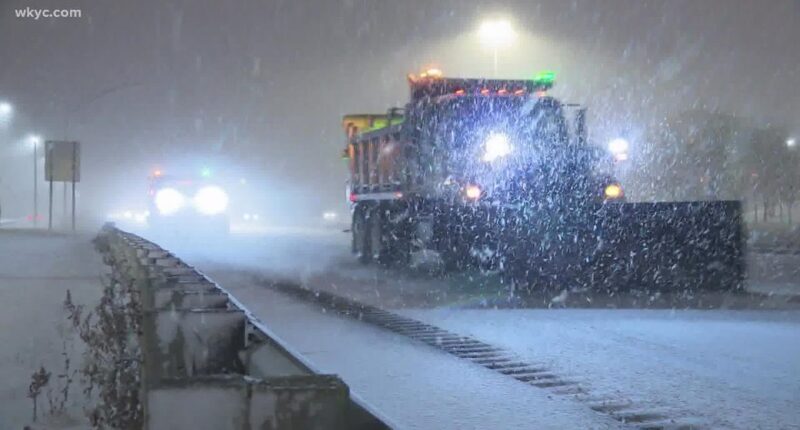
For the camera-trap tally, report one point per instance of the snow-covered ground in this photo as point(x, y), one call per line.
point(413, 385)
point(36, 270)
point(737, 368)
point(733, 369)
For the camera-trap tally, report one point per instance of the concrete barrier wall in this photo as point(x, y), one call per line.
point(296, 402)
point(208, 364)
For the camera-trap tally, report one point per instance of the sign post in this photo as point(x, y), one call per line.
point(63, 165)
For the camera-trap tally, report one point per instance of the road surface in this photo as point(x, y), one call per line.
point(722, 368)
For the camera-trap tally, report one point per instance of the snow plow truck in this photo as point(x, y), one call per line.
point(497, 174)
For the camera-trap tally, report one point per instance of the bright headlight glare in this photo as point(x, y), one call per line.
point(211, 200)
point(496, 146)
point(169, 200)
point(618, 146)
point(613, 191)
point(472, 192)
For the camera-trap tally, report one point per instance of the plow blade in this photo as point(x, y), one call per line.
point(676, 247)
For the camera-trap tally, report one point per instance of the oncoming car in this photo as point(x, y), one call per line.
point(194, 203)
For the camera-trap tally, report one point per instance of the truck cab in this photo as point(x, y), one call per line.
point(465, 147)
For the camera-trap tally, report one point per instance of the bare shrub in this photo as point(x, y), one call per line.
point(39, 380)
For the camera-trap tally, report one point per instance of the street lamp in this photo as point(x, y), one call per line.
point(496, 34)
point(791, 142)
point(35, 140)
point(6, 109)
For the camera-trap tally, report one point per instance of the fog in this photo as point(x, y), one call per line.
point(262, 86)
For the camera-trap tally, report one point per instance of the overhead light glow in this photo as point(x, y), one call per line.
point(496, 34)
point(6, 109)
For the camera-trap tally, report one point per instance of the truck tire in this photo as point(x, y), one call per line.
point(361, 236)
point(377, 242)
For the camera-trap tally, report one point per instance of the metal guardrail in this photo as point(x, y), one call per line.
point(210, 364)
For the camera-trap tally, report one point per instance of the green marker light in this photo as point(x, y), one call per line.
point(206, 172)
point(544, 79)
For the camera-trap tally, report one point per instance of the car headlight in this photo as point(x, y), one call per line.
point(496, 146)
point(211, 200)
point(169, 201)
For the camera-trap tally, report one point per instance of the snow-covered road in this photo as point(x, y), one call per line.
point(739, 369)
point(414, 386)
point(734, 369)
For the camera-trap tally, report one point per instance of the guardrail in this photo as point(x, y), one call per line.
point(210, 364)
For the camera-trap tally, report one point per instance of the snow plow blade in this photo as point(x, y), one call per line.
point(676, 247)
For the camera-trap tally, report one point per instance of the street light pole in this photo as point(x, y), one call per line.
point(35, 184)
point(6, 111)
point(495, 62)
point(34, 140)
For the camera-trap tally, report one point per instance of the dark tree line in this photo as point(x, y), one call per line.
point(700, 155)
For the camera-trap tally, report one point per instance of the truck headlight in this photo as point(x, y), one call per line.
point(211, 200)
point(472, 192)
point(169, 200)
point(496, 146)
point(612, 192)
point(619, 148)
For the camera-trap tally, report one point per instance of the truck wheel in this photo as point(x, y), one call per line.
point(376, 242)
point(361, 237)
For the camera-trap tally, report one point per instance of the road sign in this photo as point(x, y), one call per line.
point(62, 161)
